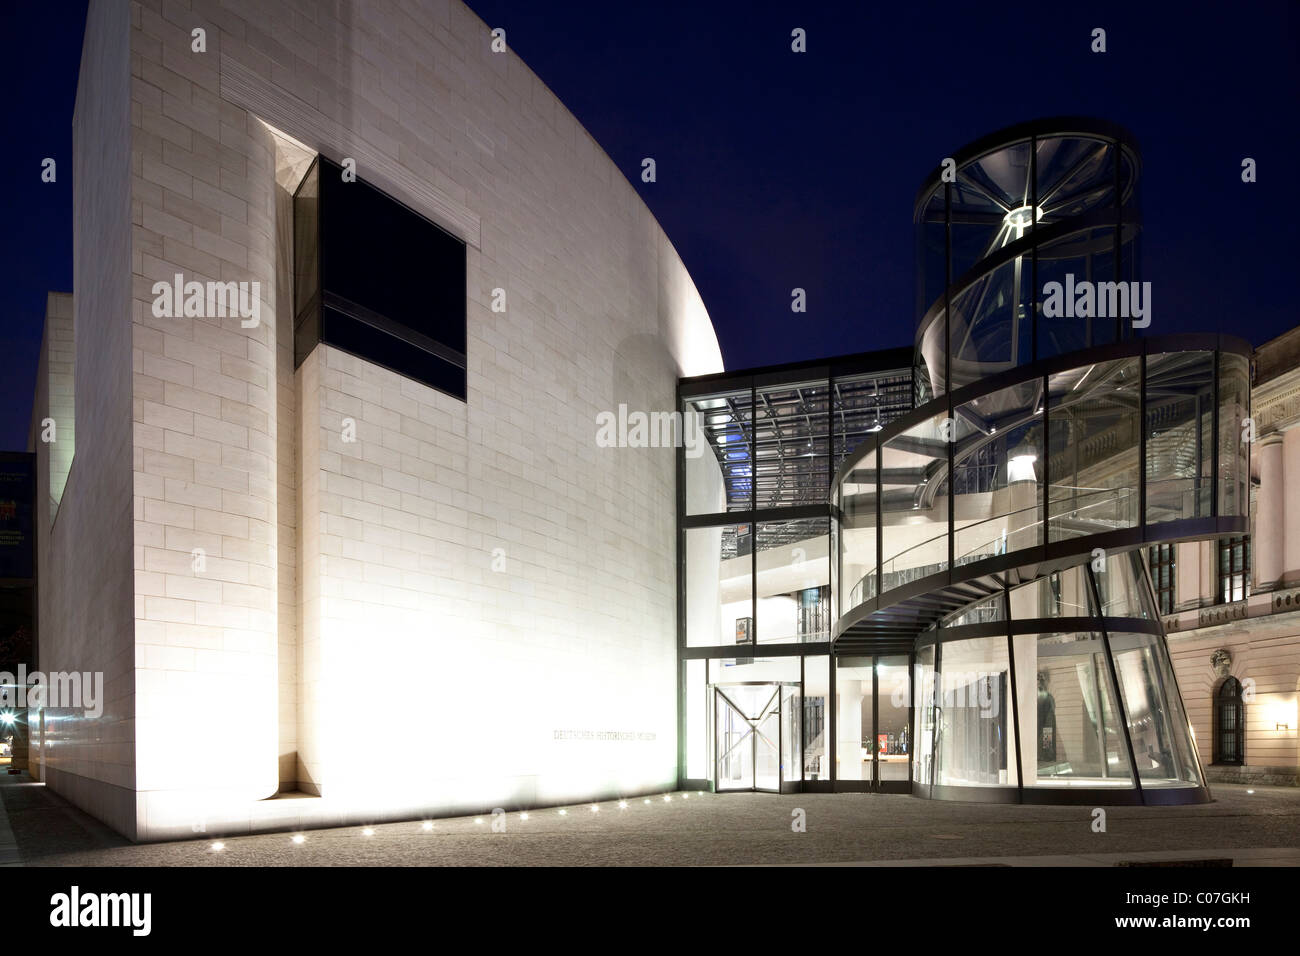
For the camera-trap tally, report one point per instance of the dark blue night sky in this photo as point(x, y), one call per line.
point(778, 169)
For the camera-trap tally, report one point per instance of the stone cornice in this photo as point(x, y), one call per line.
point(1276, 404)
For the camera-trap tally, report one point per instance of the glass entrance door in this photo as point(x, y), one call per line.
point(756, 736)
point(874, 726)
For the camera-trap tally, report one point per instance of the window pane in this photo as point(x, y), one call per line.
point(976, 743)
point(719, 592)
point(697, 728)
point(1094, 449)
point(857, 536)
point(794, 581)
point(732, 670)
point(719, 475)
point(923, 685)
point(854, 748)
point(1179, 435)
point(996, 467)
point(816, 718)
point(1069, 728)
point(864, 404)
point(1159, 729)
point(915, 502)
point(1123, 588)
point(1062, 594)
point(893, 735)
point(1234, 452)
point(982, 612)
point(792, 444)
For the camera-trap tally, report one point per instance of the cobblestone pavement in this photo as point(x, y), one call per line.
point(1259, 828)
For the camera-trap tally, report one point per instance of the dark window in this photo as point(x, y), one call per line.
point(1163, 561)
point(1229, 723)
point(1234, 561)
point(375, 278)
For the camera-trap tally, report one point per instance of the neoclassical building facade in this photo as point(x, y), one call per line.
point(1232, 607)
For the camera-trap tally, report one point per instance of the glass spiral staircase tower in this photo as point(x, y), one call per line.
point(994, 532)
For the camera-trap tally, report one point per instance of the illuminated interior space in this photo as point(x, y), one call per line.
point(957, 546)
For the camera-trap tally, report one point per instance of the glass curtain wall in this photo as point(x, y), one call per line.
point(759, 549)
point(1107, 446)
point(1050, 704)
point(1030, 212)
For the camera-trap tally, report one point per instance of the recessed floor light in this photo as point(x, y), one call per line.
point(368, 831)
point(564, 813)
point(523, 816)
point(478, 820)
point(426, 825)
point(218, 846)
point(622, 804)
point(299, 838)
point(668, 798)
point(595, 809)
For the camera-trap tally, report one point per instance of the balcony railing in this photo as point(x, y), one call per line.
point(1104, 510)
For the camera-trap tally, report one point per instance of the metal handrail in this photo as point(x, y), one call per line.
point(1114, 495)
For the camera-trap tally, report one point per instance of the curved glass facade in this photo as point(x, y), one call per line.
point(992, 633)
point(1053, 204)
point(968, 485)
point(1064, 694)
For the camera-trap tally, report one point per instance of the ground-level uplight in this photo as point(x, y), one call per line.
point(368, 831)
point(299, 838)
point(218, 847)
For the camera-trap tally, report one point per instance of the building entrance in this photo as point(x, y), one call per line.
point(757, 737)
point(873, 726)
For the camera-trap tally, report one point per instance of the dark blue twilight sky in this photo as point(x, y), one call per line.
point(778, 169)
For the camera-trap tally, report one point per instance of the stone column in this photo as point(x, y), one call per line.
point(1291, 518)
point(1269, 540)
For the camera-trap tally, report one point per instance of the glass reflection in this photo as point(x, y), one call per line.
point(976, 742)
point(1093, 457)
point(1070, 734)
point(1157, 725)
point(1179, 435)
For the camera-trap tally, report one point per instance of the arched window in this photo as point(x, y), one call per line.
point(1229, 723)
